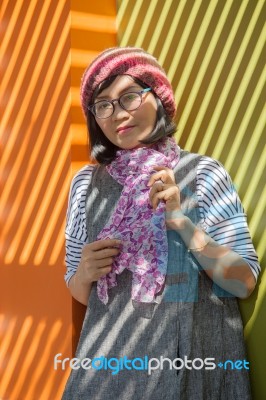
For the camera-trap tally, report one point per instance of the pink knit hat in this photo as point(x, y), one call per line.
point(127, 61)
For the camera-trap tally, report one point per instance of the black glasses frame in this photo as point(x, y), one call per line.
point(92, 107)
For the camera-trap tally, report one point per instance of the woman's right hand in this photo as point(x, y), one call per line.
point(97, 259)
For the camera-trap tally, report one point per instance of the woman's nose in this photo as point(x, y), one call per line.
point(119, 112)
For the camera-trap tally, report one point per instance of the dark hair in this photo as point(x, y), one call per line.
point(102, 149)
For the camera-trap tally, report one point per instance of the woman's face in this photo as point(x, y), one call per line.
point(125, 128)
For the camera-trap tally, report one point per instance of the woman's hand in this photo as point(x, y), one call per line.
point(97, 258)
point(164, 188)
point(96, 261)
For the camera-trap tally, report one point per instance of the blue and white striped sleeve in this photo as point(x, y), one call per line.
point(222, 214)
point(76, 231)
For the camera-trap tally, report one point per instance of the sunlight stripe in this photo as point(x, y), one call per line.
point(15, 52)
point(258, 309)
point(143, 31)
point(215, 75)
point(259, 213)
point(231, 76)
point(172, 32)
point(9, 31)
point(183, 39)
point(256, 134)
point(160, 24)
point(253, 184)
point(17, 351)
point(262, 240)
point(28, 360)
point(42, 173)
point(132, 22)
point(27, 135)
point(44, 245)
point(196, 48)
point(3, 8)
point(36, 377)
point(7, 327)
point(34, 78)
point(27, 174)
point(123, 4)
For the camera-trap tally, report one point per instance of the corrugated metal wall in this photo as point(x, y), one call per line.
point(35, 173)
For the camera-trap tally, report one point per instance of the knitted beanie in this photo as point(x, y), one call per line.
point(127, 61)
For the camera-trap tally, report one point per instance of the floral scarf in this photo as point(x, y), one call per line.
point(144, 247)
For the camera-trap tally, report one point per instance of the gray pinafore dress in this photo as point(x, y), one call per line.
point(193, 320)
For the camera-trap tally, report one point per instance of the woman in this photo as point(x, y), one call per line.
point(157, 247)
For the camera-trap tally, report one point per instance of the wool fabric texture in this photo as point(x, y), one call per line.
point(142, 230)
point(128, 61)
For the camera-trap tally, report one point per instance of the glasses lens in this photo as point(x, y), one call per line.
point(130, 101)
point(103, 109)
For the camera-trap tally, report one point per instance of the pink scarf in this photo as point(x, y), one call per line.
point(144, 249)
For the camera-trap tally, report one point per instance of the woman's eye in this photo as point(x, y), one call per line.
point(103, 105)
point(130, 96)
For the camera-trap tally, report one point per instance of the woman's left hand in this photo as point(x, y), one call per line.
point(164, 188)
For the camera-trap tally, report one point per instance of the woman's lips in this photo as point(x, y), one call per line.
point(124, 129)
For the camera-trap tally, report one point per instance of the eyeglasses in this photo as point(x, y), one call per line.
point(128, 101)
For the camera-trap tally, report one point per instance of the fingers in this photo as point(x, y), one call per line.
point(101, 249)
point(163, 192)
point(89, 251)
point(157, 187)
point(101, 272)
point(97, 258)
point(106, 253)
point(164, 188)
point(100, 253)
point(101, 244)
point(164, 174)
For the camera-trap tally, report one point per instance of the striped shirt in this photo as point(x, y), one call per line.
point(221, 211)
